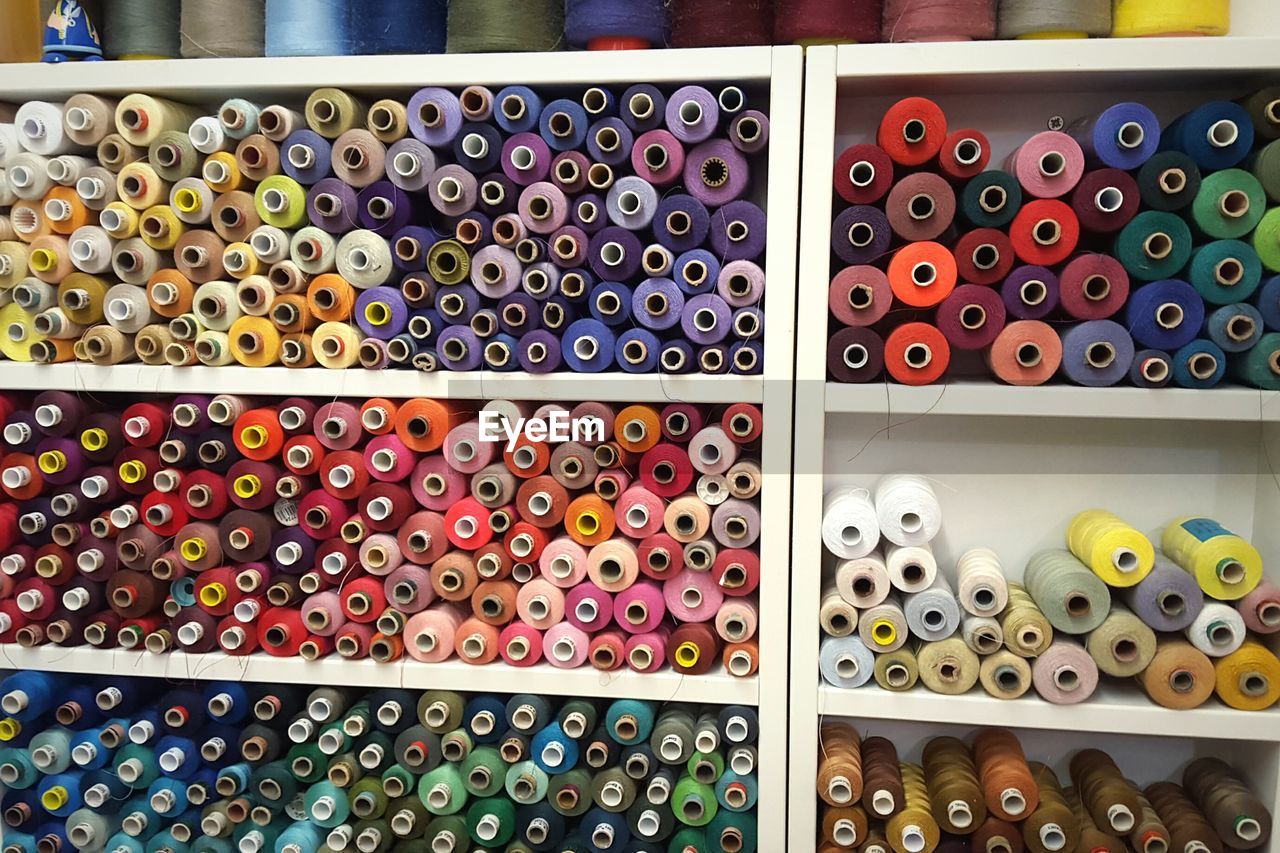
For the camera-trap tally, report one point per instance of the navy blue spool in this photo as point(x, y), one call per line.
point(1152, 368)
point(384, 27)
point(475, 162)
point(558, 313)
point(1164, 314)
point(655, 99)
point(321, 157)
point(563, 125)
point(1234, 328)
point(699, 222)
point(490, 706)
point(588, 346)
point(742, 326)
point(1190, 133)
point(517, 109)
point(1267, 300)
point(1195, 357)
point(719, 365)
point(593, 822)
point(708, 261)
point(742, 363)
point(425, 325)
point(446, 297)
point(600, 103)
point(549, 820)
point(652, 347)
point(401, 349)
point(483, 224)
point(607, 295)
point(677, 357)
point(511, 360)
point(588, 20)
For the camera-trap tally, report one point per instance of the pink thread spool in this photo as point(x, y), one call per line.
point(737, 620)
point(588, 607)
point(692, 596)
point(322, 613)
point(435, 485)
point(409, 589)
point(540, 604)
point(647, 652)
point(388, 459)
point(422, 538)
point(337, 425)
point(639, 609)
point(565, 646)
point(563, 562)
point(638, 513)
point(429, 635)
point(464, 451)
point(520, 644)
point(380, 554)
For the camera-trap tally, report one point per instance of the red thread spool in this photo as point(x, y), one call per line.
point(1105, 200)
point(1093, 287)
point(467, 524)
point(353, 640)
point(304, 454)
point(12, 619)
point(322, 515)
point(984, 256)
point(422, 537)
point(144, 424)
point(22, 479)
point(135, 467)
point(916, 354)
point(258, 434)
point(236, 638)
point(385, 506)
point(922, 274)
point(54, 564)
point(912, 131)
point(163, 513)
point(252, 484)
point(363, 599)
point(216, 591)
point(528, 458)
point(1045, 232)
point(520, 645)
point(281, 632)
point(525, 543)
point(863, 174)
point(681, 422)
point(964, 155)
point(743, 423)
point(204, 495)
point(721, 23)
point(666, 471)
point(101, 437)
point(314, 648)
point(607, 651)
point(343, 475)
point(736, 571)
point(824, 22)
point(660, 556)
point(297, 415)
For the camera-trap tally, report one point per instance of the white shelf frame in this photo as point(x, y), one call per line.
point(968, 69)
point(775, 72)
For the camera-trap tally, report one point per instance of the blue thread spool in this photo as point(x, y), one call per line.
point(1200, 364)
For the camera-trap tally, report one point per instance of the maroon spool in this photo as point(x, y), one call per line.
point(830, 21)
point(1105, 200)
point(855, 355)
point(984, 256)
point(721, 23)
point(1093, 287)
point(971, 317)
point(863, 174)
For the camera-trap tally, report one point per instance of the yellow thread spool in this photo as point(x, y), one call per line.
point(42, 260)
point(588, 523)
point(221, 172)
point(247, 486)
point(884, 632)
point(17, 334)
point(336, 345)
point(141, 187)
point(119, 220)
point(1115, 551)
point(688, 654)
point(133, 471)
point(254, 342)
point(94, 439)
point(9, 728)
point(1248, 679)
point(1225, 565)
point(187, 200)
point(281, 201)
point(52, 461)
point(1134, 18)
point(160, 227)
point(54, 798)
point(213, 594)
point(193, 549)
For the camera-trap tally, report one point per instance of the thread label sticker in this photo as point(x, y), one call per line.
point(1205, 529)
point(555, 429)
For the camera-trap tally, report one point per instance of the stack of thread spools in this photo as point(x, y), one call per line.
point(1188, 623)
point(384, 528)
point(1116, 251)
point(473, 230)
point(988, 796)
point(122, 764)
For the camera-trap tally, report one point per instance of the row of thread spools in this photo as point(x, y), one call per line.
point(124, 765)
point(988, 797)
point(1115, 251)
point(153, 29)
point(1191, 622)
point(457, 230)
point(384, 529)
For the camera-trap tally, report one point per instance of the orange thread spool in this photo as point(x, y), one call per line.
point(258, 434)
point(589, 520)
point(637, 428)
point(422, 424)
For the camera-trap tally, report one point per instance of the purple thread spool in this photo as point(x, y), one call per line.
point(458, 348)
point(539, 351)
point(693, 114)
point(495, 272)
point(714, 359)
point(333, 206)
point(435, 116)
point(305, 156)
point(861, 235)
point(543, 208)
point(541, 280)
point(569, 247)
point(643, 107)
point(21, 434)
point(589, 214)
point(380, 312)
point(746, 357)
point(616, 254)
point(478, 147)
point(657, 304)
point(293, 551)
point(706, 319)
point(609, 141)
point(458, 304)
point(190, 413)
point(409, 247)
point(658, 157)
point(498, 194)
point(739, 231)
point(716, 173)
point(558, 313)
point(697, 271)
point(632, 203)
point(677, 357)
point(569, 171)
point(749, 132)
point(1096, 353)
point(681, 223)
point(68, 455)
point(1030, 293)
point(748, 323)
point(611, 303)
point(526, 159)
point(384, 208)
point(410, 164)
point(453, 190)
point(588, 346)
point(741, 283)
point(971, 317)
point(519, 314)
point(637, 351)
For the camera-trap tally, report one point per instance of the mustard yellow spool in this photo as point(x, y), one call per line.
point(1115, 551)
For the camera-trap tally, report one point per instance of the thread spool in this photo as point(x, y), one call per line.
point(204, 34)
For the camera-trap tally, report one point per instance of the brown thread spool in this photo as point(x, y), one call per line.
point(875, 843)
point(881, 777)
point(839, 764)
point(948, 666)
point(955, 797)
point(198, 257)
point(996, 836)
point(234, 217)
point(693, 649)
point(454, 576)
point(1007, 785)
point(494, 602)
point(1052, 827)
point(1239, 817)
point(913, 829)
point(1150, 835)
point(845, 826)
point(258, 157)
point(1189, 830)
point(132, 594)
point(1091, 838)
point(1180, 676)
point(1111, 801)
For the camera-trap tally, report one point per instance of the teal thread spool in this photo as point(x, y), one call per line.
point(1260, 366)
point(730, 831)
point(1225, 272)
point(630, 721)
point(1154, 246)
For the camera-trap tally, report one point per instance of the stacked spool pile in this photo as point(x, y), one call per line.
point(121, 764)
point(1115, 252)
point(383, 529)
point(987, 796)
point(506, 230)
point(1187, 622)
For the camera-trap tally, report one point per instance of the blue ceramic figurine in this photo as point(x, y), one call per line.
point(70, 35)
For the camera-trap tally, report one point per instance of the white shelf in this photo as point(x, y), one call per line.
point(715, 688)
point(471, 385)
point(1114, 708)
point(988, 399)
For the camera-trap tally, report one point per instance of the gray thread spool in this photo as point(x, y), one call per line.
point(140, 28)
point(223, 28)
point(1027, 17)
point(487, 26)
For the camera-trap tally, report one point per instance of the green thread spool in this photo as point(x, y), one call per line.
point(1260, 366)
point(526, 783)
point(441, 790)
point(397, 781)
point(408, 817)
point(1225, 272)
point(1071, 596)
point(1154, 246)
point(367, 799)
point(345, 770)
point(375, 751)
point(281, 201)
point(706, 767)
point(448, 262)
point(1229, 205)
point(991, 200)
point(357, 720)
point(492, 821)
point(307, 763)
point(1169, 181)
point(274, 783)
point(897, 670)
point(688, 839)
point(456, 745)
point(694, 803)
point(449, 832)
point(373, 836)
point(630, 721)
point(326, 805)
point(1266, 240)
point(494, 26)
point(1264, 110)
point(1265, 166)
point(264, 836)
point(333, 740)
point(570, 793)
point(578, 717)
point(672, 738)
point(441, 710)
point(18, 765)
point(174, 157)
point(140, 29)
point(599, 750)
point(1122, 645)
point(613, 790)
point(730, 832)
point(484, 771)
